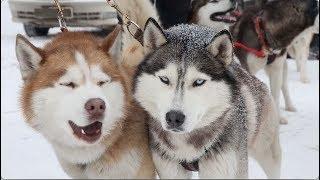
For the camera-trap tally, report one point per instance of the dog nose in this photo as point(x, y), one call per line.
point(175, 119)
point(95, 108)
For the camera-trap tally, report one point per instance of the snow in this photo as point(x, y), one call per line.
point(26, 154)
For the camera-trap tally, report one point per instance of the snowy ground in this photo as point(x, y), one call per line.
point(25, 153)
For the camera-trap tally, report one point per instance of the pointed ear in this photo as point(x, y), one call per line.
point(221, 47)
point(153, 36)
point(29, 57)
point(112, 43)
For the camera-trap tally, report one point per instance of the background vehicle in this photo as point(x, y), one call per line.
point(38, 16)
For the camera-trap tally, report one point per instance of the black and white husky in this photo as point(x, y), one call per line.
point(206, 112)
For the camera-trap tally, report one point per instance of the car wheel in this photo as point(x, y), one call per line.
point(32, 30)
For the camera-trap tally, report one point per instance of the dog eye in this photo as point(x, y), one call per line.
point(198, 82)
point(101, 83)
point(69, 84)
point(164, 79)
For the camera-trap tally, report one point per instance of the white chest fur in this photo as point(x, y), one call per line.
point(182, 150)
point(125, 166)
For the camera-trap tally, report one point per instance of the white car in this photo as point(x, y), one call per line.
point(38, 16)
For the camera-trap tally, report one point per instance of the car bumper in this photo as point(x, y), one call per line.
point(95, 13)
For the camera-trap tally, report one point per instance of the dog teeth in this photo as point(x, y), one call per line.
point(97, 131)
point(82, 131)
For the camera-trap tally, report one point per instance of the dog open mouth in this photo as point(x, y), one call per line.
point(89, 133)
point(227, 17)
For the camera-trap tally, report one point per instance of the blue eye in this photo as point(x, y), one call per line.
point(198, 82)
point(164, 79)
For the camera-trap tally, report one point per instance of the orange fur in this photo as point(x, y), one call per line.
point(130, 132)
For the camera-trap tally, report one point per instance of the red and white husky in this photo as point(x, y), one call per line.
point(79, 99)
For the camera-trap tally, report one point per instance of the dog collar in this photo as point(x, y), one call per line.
point(190, 166)
point(262, 40)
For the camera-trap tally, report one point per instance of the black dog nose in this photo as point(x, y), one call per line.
point(175, 119)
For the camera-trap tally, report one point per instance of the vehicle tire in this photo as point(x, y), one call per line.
point(32, 30)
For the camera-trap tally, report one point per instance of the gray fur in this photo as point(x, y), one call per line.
point(186, 46)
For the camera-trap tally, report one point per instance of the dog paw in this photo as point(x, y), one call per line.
point(305, 80)
point(291, 109)
point(283, 120)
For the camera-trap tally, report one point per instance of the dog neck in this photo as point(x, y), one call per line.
point(79, 155)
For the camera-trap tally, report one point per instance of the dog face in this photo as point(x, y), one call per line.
point(73, 92)
point(214, 13)
point(184, 87)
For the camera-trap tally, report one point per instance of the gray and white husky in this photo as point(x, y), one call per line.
point(206, 112)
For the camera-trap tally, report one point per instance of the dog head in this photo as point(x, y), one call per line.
point(184, 82)
point(214, 13)
point(73, 93)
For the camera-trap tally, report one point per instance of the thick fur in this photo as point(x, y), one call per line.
point(230, 115)
point(300, 48)
point(277, 16)
point(49, 101)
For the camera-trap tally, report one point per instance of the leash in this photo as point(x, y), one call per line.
point(259, 53)
point(263, 42)
point(60, 16)
point(132, 27)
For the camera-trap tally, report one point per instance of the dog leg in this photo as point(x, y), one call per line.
point(270, 158)
point(298, 64)
point(288, 103)
point(221, 166)
point(168, 169)
point(297, 56)
point(303, 56)
point(275, 73)
point(292, 51)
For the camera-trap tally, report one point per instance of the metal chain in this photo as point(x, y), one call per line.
point(60, 16)
point(135, 31)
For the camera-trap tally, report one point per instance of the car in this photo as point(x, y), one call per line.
point(38, 16)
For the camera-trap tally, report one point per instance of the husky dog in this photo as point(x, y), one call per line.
point(281, 20)
point(300, 48)
point(206, 112)
point(80, 101)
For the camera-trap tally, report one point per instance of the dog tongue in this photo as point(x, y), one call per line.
point(92, 128)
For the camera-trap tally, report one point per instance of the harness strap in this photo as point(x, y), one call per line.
point(190, 166)
point(260, 32)
point(261, 37)
point(258, 53)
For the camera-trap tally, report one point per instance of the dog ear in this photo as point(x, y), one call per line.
point(112, 43)
point(221, 47)
point(29, 57)
point(153, 36)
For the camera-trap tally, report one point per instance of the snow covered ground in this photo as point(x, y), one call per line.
point(26, 154)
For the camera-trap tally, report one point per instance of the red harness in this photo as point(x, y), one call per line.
point(259, 53)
